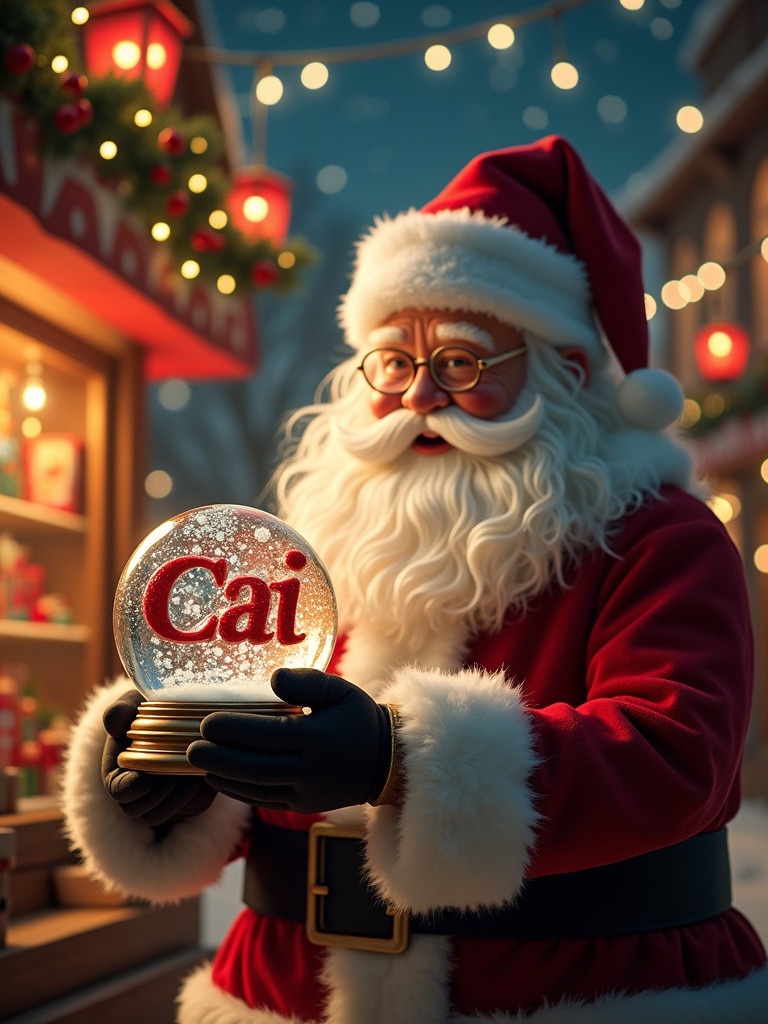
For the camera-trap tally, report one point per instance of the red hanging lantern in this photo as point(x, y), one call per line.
point(721, 351)
point(259, 204)
point(137, 39)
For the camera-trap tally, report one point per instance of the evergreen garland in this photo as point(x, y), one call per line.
point(76, 113)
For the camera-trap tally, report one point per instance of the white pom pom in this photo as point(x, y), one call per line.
point(650, 399)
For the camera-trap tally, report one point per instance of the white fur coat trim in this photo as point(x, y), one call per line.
point(463, 835)
point(742, 1001)
point(464, 260)
point(122, 852)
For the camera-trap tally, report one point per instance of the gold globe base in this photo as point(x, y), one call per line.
point(162, 731)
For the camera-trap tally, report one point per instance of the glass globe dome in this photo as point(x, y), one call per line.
point(214, 600)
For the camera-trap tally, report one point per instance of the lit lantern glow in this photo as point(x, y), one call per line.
point(721, 350)
point(137, 39)
point(260, 204)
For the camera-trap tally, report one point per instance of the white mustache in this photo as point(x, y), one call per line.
point(387, 438)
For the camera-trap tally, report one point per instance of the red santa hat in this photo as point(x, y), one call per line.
point(524, 234)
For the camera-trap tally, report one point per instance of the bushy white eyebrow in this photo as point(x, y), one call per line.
point(459, 330)
point(387, 333)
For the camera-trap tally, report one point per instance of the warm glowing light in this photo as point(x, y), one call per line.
point(691, 413)
point(31, 426)
point(33, 397)
point(198, 144)
point(314, 75)
point(711, 275)
point(160, 231)
point(764, 249)
point(690, 119)
point(59, 63)
point(218, 219)
point(156, 56)
point(632, 5)
point(720, 344)
point(190, 269)
point(693, 286)
point(286, 260)
point(226, 284)
point(714, 406)
point(721, 351)
point(80, 15)
point(437, 57)
point(255, 209)
point(650, 307)
point(158, 483)
point(734, 501)
point(564, 75)
point(108, 150)
point(269, 90)
point(142, 118)
point(197, 183)
point(126, 54)
point(761, 558)
point(672, 296)
point(764, 470)
point(721, 508)
point(501, 36)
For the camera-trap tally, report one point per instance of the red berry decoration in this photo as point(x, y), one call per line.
point(85, 111)
point(73, 84)
point(264, 273)
point(205, 240)
point(177, 203)
point(67, 118)
point(160, 174)
point(19, 58)
point(171, 141)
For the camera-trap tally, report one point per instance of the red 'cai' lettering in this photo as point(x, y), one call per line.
point(244, 621)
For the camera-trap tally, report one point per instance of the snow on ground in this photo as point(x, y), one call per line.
point(748, 841)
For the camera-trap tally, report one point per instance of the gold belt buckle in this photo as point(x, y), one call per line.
point(319, 890)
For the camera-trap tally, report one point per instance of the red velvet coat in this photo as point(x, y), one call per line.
point(635, 683)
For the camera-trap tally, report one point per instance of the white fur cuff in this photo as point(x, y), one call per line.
point(463, 835)
point(123, 853)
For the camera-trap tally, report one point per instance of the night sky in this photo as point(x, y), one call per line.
point(387, 134)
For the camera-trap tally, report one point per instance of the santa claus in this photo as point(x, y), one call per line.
point(510, 798)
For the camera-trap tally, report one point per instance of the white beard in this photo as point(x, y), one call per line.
point(418, 545)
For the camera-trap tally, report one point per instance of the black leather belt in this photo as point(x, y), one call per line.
point(319, 878)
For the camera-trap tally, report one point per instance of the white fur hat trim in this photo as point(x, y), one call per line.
point(464, 260)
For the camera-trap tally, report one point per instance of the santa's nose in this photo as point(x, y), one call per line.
point(424, 395)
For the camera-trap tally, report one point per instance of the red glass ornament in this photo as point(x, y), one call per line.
point(160, 174)
point(206, 240)
point(177, 203)
point(171, 141)
point(19, 58)
point(721, 351)
point(67, 118)
point(73, 83)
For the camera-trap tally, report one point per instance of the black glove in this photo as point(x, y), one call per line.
point(157, 800)
point(336, 756)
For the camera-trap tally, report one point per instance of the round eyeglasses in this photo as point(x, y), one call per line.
point(391, 371)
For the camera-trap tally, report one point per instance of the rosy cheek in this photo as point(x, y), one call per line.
point(485, 406)
point(383, 405)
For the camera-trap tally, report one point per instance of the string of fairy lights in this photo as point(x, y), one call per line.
point(710, 277)
point(500, 34)
point(436, 47)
